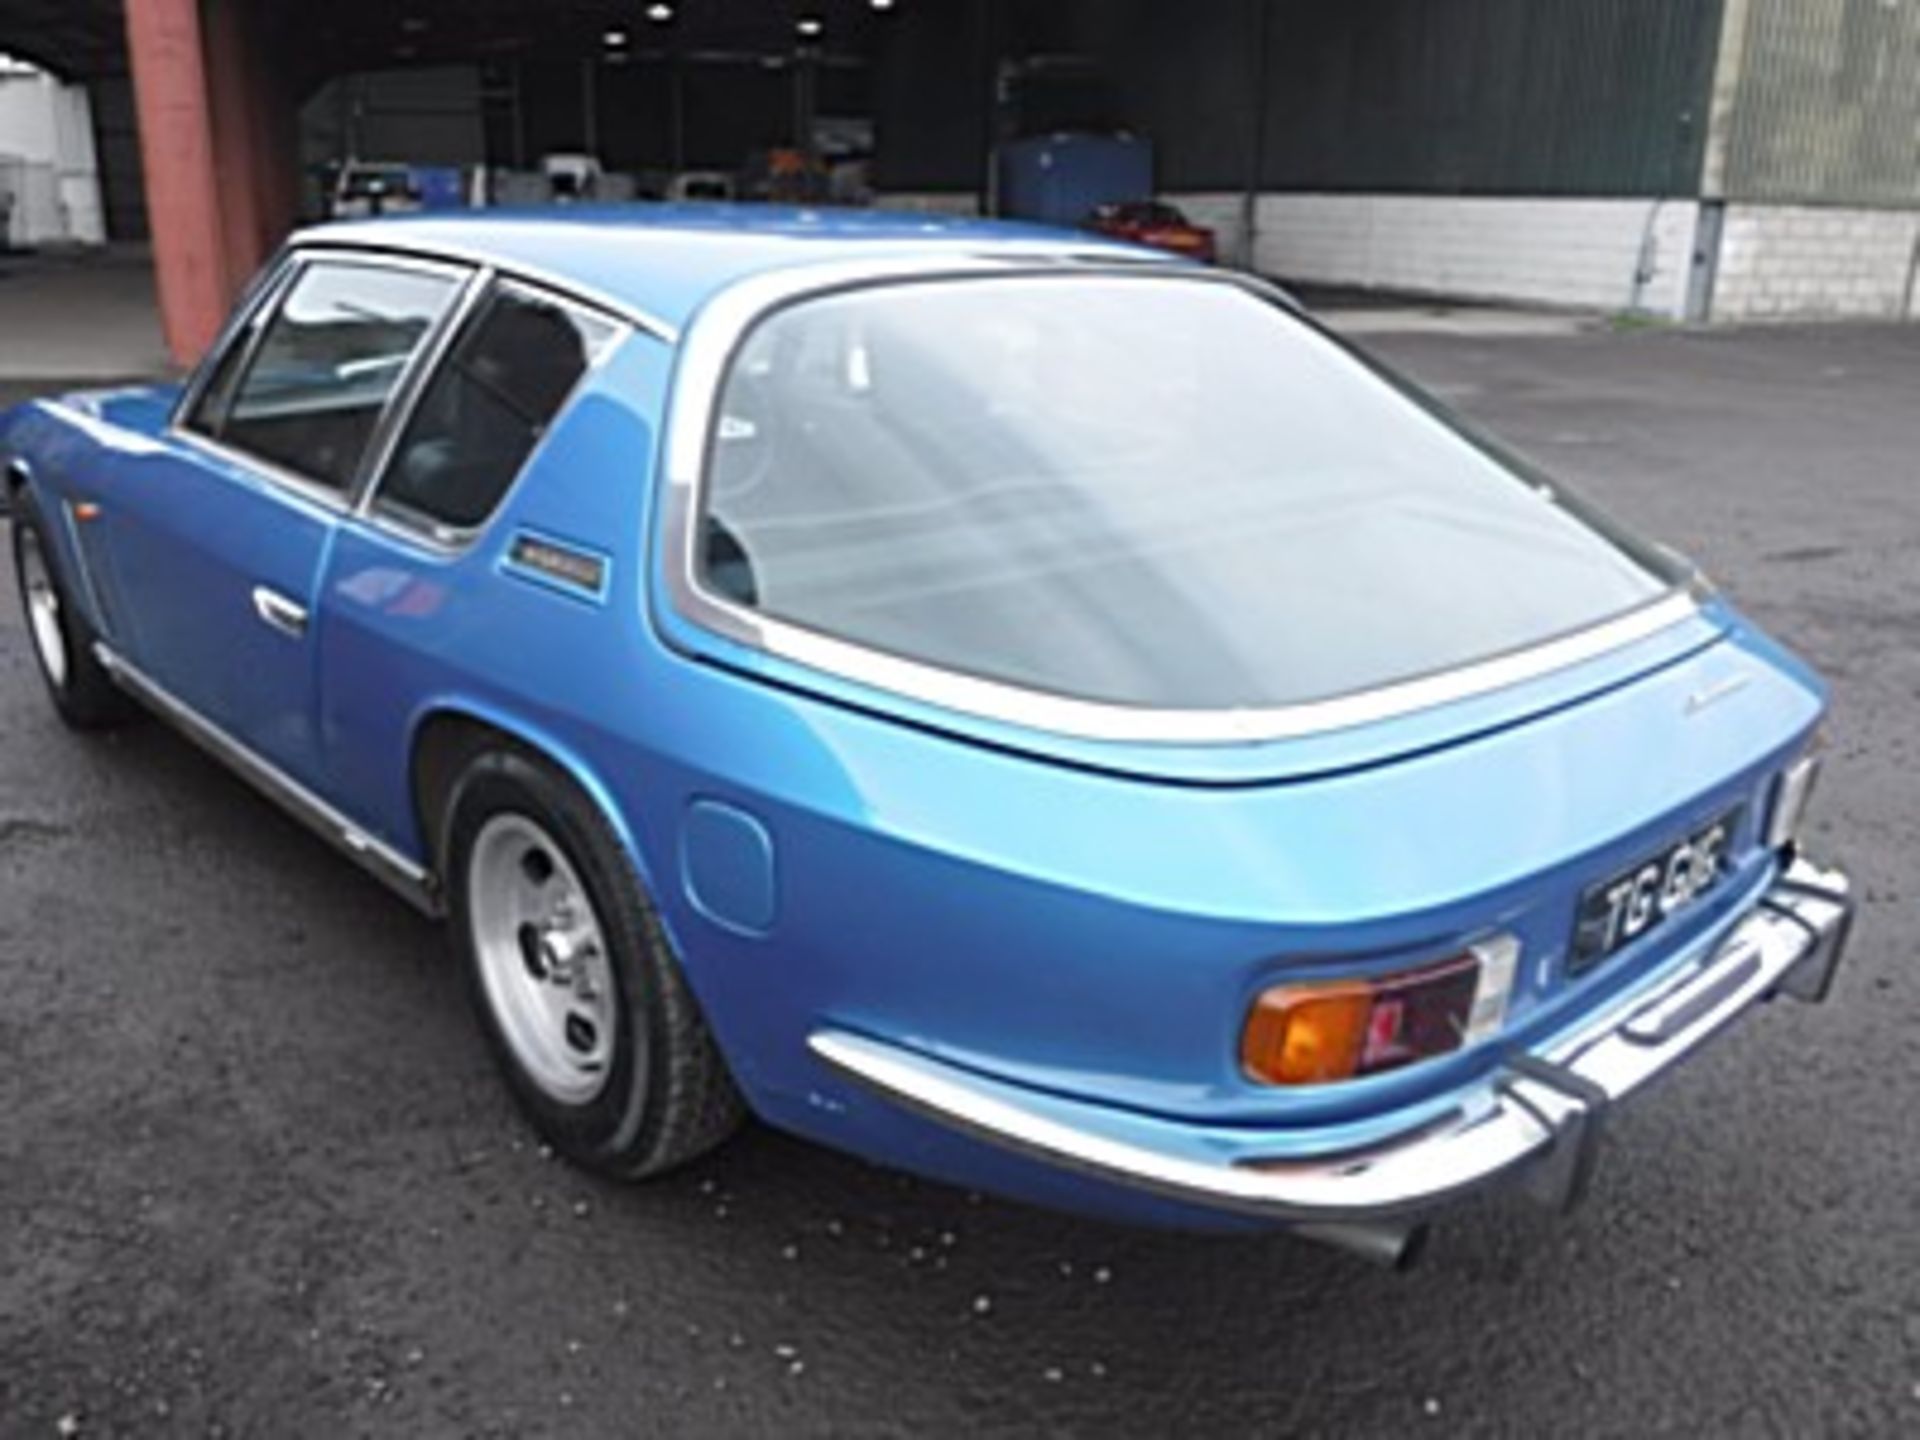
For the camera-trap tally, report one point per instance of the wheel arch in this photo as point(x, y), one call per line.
point(701, 1103)
point(448, 734)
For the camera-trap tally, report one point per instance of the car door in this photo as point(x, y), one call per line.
point(220, 540)
point(413, 592)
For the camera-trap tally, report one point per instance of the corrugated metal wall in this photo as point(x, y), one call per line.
point(1519, 97)
point(1827, 109)
point(116, 136)
point(1540, 97)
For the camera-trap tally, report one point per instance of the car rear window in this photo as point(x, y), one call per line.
point(1146, 491)
point(481, 415)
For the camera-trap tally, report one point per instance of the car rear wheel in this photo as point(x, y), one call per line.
point(580, 996)
point(62, 640)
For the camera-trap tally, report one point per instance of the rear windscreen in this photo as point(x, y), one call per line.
point(1151, 491)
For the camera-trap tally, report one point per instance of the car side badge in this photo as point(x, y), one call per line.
point(557, 565)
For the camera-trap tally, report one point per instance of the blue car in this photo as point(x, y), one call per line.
point(1009, 704)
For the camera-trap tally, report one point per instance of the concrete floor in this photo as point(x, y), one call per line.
point(86, 315)
point(256, 1176)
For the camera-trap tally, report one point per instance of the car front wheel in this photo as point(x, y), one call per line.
point(581, 998)
point(62, 640)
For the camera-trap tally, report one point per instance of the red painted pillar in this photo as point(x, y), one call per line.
point(190, 261)
point(253, 124)
point(237, 138)
point(278, 153)
point(279, 150)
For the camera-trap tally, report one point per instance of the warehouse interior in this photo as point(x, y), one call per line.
point(1688, 159)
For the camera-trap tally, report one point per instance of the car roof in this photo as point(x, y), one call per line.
point(662, 261)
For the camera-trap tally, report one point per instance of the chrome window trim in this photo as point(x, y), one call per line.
point(480, 256)
point(239, 329)
point(406, 395)
point(336, 501)
point(289, 483)
point(448, 541)
point(706, 353)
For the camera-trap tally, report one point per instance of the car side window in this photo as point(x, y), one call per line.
point(321, 373)
point(217, 394)
point(225, 368)
point(484, 410)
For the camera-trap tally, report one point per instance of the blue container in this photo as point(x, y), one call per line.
point(1058, 179)
point(440, 187)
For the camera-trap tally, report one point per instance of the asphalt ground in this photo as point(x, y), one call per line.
point(256, 1176)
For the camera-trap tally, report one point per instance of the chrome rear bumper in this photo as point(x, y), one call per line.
point(1540, 1115)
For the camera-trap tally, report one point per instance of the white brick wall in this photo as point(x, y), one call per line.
point(1792, 262)
point(928, 202)
point(1548, 251)
point(1220, 211)
point(1777, 262)
point(47, 161)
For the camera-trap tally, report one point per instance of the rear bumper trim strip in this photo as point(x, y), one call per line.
point(1540, 1114)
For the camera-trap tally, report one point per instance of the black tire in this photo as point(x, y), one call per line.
point(667, 1095)
point(85, 695)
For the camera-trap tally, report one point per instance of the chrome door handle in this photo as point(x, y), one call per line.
point(280, 612)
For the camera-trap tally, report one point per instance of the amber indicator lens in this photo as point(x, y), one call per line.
point(1313, 1034)
point(1306, 1035)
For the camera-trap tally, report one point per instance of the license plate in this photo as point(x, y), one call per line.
point(1616, 912)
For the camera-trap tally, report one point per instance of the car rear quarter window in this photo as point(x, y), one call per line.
point(506, 378)
point(1159, 492)
point(308, 393)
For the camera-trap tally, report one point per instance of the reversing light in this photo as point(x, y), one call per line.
point(1324, 1031)
point(1791, 792)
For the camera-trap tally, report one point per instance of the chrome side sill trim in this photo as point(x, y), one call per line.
point(411, 881)
point(1539, 1115)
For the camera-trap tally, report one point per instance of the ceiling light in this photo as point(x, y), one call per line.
point(615, 39)
point(810, 26)
point(659, 14)
point(881, 4)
